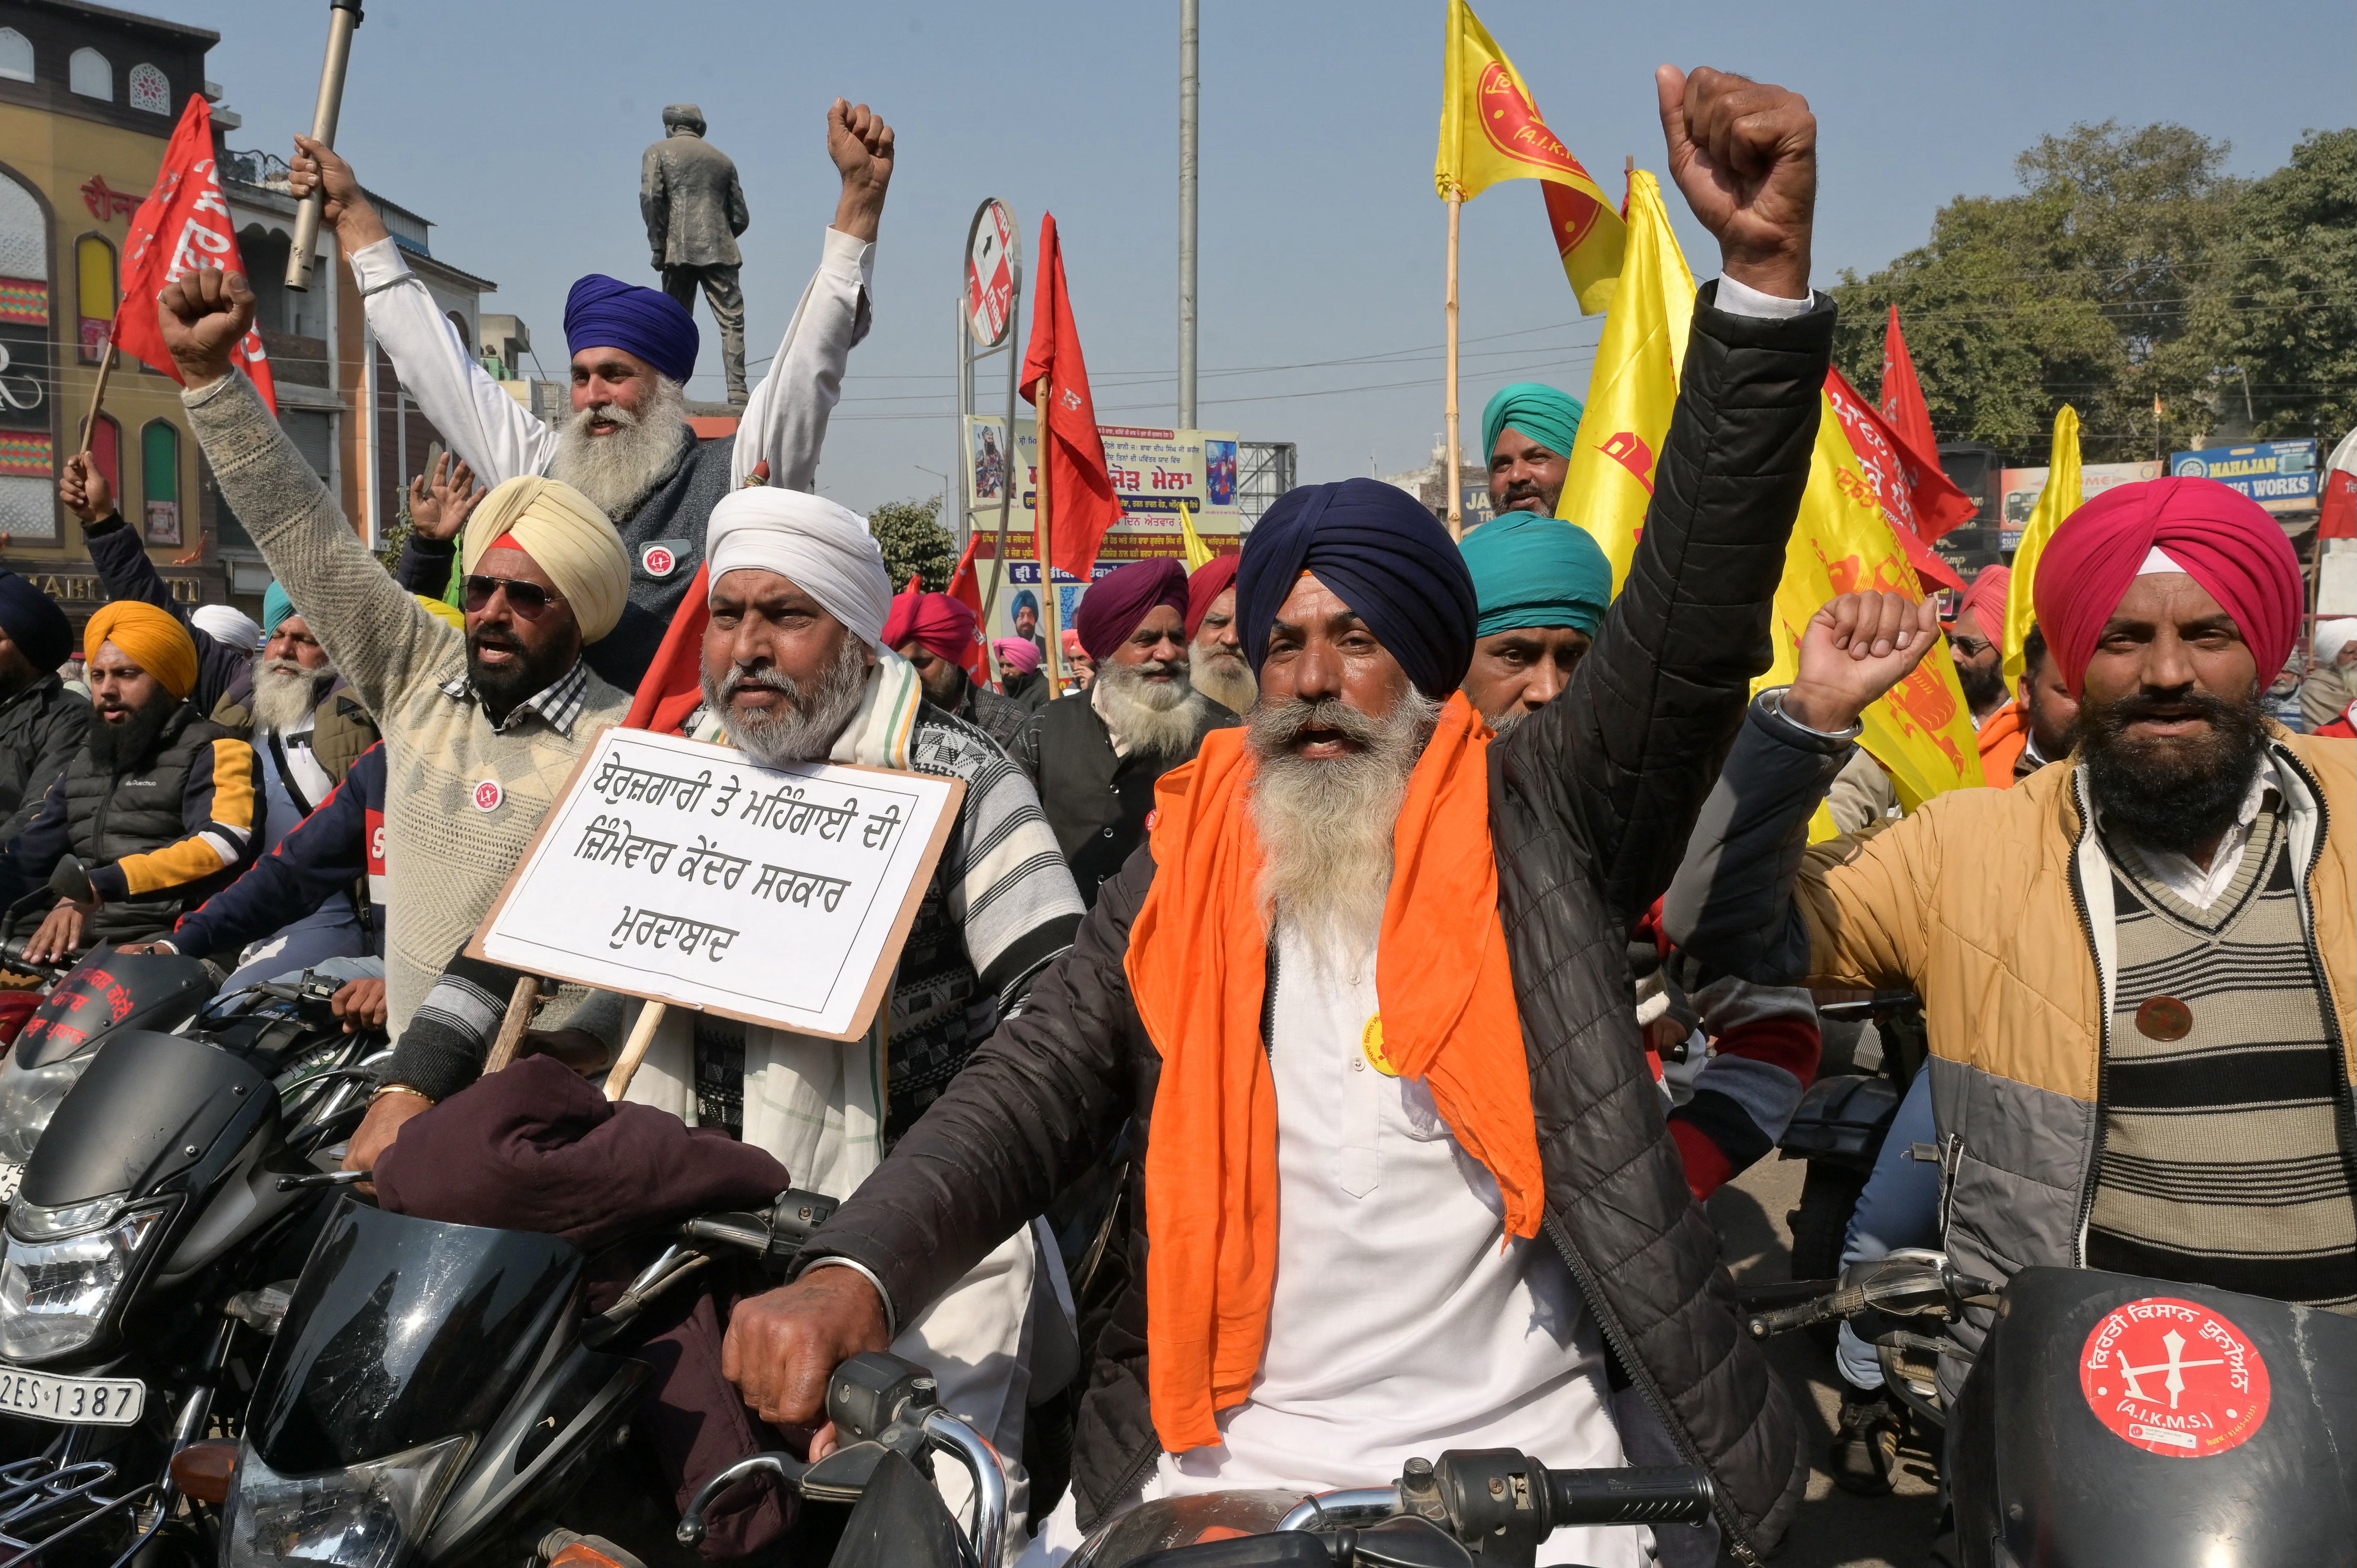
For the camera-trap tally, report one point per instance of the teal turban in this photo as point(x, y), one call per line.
point(1530, 570)
point(1545, 414)
point(275, 606)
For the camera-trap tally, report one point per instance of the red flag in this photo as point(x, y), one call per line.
point(183, 226)
point(1903, 407)
point(672, 687)
point(965, 588)
point(1878, 452)
point(1080, 491)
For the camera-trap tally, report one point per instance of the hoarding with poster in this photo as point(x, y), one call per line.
point(2279, 475)
point(1153, 471)
point(2019, 488)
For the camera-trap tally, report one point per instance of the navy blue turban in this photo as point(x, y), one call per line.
point(607, 313)
point(1388, 558)
point(34, 623)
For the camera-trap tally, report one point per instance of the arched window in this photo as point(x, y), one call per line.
point(89, 74)
point(159, 478)
point(16, 55)
point(94, 273)
point(466, 338)
point(28, 485)
point(149, 89)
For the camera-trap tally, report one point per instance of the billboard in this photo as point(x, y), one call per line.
point(2281, 476)
point(2018, 488)
point(1153, 472)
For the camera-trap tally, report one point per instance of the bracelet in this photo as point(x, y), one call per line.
point(384, 1088)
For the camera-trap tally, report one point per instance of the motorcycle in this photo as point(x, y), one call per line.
point(441, 1393)
point(170, 1176)
point(2111, 1420)
point(1842, 1122)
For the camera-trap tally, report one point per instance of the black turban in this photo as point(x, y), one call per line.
point(34, 623)
point(1387, 557)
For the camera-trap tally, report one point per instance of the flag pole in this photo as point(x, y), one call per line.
point(343, 15)
point(1456, 489)
point(98, 393)
point(1039, 533)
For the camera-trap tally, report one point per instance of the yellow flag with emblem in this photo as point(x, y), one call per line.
point(2063, 495)
point(1198, 554)
point(1490, 130)
point(1634, 387)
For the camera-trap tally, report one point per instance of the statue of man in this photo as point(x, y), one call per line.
point(694, 210)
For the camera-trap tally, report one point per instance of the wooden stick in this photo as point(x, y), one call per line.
point(635, 1048)
point(1455, 485)
point(1039, 529)
point(520, 1004)
point(98, 395)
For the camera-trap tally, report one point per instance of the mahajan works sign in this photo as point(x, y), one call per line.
point(2281, 476)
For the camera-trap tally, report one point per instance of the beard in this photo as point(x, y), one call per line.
point(1151, 716)
point(1326, 825)
point(283, 693)
point(1226, 679)
point(1983, 684)
point(804, 727)
point(944, 684)
point(121, 747)
point(618, 470)
point(2171, 795)
point(500, 687)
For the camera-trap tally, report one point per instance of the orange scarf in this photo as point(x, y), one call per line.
point(1196, 966)
point(2002, 739)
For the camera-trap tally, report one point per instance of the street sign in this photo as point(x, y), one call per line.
point(2279, 475)
point(991, 253)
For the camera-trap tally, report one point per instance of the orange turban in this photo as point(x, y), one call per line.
point(153, 639)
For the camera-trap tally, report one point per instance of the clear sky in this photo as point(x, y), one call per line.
point(517, 127)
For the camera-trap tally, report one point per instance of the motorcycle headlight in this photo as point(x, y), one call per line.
point(355, 1517)
point(29, 1096)
point(54, 1293)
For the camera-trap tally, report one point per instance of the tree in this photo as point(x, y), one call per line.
point(2286, 320)
point(2098, 285)
point(914, 542)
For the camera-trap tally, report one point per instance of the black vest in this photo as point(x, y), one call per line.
point(673, 516)
point(1096, 803)
point(109, 816)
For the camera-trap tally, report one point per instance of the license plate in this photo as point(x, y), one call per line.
point(12, 1177)
point(74, 1402)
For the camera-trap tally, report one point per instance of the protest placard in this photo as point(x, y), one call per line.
point(689, 875)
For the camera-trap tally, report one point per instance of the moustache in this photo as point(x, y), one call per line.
point(2112, 719)
point(492, 637)
point(612, 413)
point(768, 680)
point(284, 667)
point(1287, 722)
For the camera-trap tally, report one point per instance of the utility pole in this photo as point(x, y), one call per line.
point(1189, 64)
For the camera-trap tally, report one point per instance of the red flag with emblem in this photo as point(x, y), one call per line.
point(1079, 492)
point(1882, 456)
point(1940, 505)
point(184, 226)
point(965, 588)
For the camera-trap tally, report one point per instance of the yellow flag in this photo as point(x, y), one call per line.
point(1490, 130)
point(1198, 554)
point(1634, 388)
point(2059, 499)
point(1922, 731)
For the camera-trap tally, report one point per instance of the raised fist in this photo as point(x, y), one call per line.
point(204, 316)
point(1745, 156)
point(1854, 650)
point(343, 204)
point(860, 143)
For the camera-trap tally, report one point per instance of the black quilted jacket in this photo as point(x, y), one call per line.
point(1591, 800)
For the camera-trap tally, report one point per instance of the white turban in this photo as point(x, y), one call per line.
point(2332, 637)
point(823, 548)
point(227, 625)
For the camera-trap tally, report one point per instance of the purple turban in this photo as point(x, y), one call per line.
point(1119, 603)
point(1386, 555)
point(607, 313)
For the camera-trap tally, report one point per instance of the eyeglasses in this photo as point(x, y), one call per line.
point(1968, 647)
point(529, 600)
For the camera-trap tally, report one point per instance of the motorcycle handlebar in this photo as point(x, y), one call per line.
point(1666, 1495)
point(12, 956)
point(1836, 1304)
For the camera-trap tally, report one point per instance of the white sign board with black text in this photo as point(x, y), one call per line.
point(688, 873)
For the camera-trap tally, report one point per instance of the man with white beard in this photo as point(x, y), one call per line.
point(1096, 753)
point(627, 445)
point(1365, 1001)
point(1215, 648)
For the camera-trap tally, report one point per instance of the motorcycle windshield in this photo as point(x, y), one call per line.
point(112, 990)
point(147, 1107)
point(402, 1331)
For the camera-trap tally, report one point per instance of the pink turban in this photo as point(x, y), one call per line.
point(1986, 599)
point(1020, 654)
point(943, 625)
point(2223, 539)
point(1205, 584)
point(1119, 603)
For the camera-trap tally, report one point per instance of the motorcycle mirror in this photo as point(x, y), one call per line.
point(70, 880)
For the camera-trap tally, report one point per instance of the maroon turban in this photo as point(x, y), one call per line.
point(943, 625)
point(2220, 538)
point(1119, 603)
point(1986, 598)
point(1209, 581)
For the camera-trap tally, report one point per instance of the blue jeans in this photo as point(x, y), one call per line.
point(1899, 1207)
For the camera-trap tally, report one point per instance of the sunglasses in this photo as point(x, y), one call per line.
point(1970, 646)
point(529, 600)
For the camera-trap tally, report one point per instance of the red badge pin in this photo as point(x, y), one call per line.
point(658, 561)
point(488, 795)
point(2175, 1379)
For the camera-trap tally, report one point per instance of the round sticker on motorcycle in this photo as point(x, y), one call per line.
point(2174, 1378)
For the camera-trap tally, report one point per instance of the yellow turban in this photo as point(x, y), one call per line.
point(441, 609)
point(153, 639)
point(572, 540)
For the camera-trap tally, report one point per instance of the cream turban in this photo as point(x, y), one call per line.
point(572, 540)
point(825, 549)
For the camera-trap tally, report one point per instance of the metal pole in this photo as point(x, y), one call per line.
point(1190, 64)
point(343, 18)
point(959, 524)
point(1455, 499)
